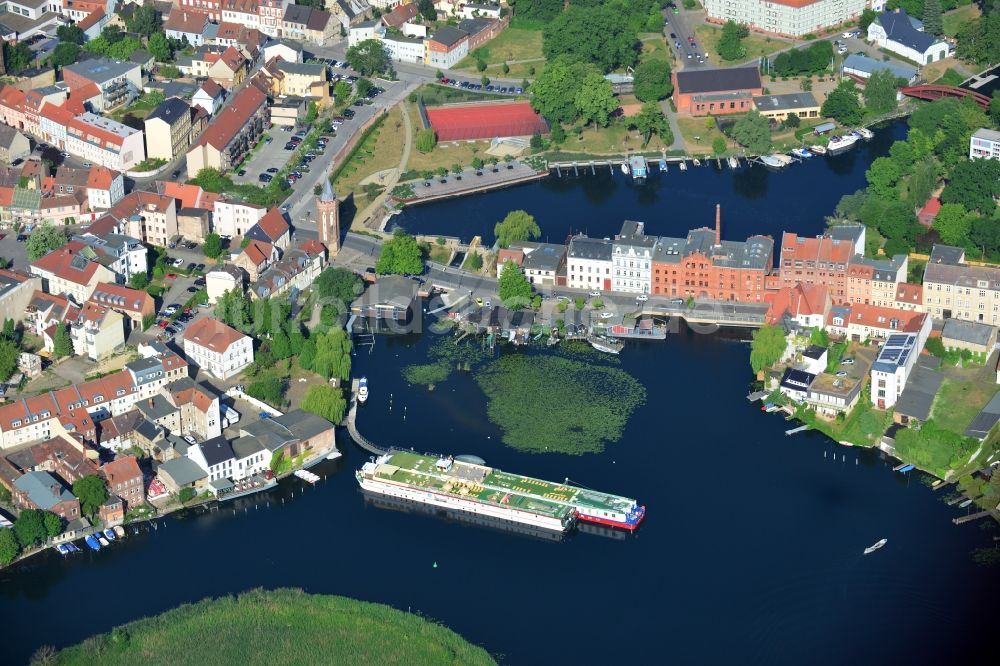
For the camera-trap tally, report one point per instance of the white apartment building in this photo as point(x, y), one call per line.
point(100, 140)
point(404, 49)
point(793, 18)
point(234, 218)
point(893, 365)
point(632, 257)
point(588, 264)
point(955, 290)
point(984, 145)
point(217, 348)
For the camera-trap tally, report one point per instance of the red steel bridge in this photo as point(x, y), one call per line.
point(932, 92)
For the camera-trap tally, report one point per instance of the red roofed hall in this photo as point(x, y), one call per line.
point(485, 120)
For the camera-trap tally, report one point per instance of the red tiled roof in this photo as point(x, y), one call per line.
point(101, 178)
point(121, 470)
point(873, 316)
point(121, 297)
point(91, 19)
point(258, 252)
point(400, 15)
point(135, 201)
point(211, 87)
point(212, 334)
point(909, 293)
point(182, 21)
point(59, 262)
point(233, 59)
point(312, 246)
point(273, 224)
point(815, 249)
point(233, 118)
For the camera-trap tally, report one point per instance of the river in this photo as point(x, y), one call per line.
point(751, 552)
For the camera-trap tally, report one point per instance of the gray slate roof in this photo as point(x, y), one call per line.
point(101, 70)
point(183, 471)
point(792, 101)
point(921, 387)
point(972, 332)
point(596, 249)
point(985, 420)
point(43, 490)
point(170, 111)
point(449, 35)
point(868, 65)
point(899, 28)
point(718, 80)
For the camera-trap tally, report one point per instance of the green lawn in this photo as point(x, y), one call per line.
point(862, 427)
point(511, 44)
point(958, 402)
point(281, 626)
point(954, 19)
point(950, 78)
point(756, 46)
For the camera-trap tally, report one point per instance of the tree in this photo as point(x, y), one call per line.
point(145, 20)
point(899, 223)
point(649, 121)
point(767, 346)
point(281, 346)
point(426, 140)
point(17, 56)
point(985, 234)
point(72, 33)
point(66, 53)
point(338, 284)
point(367, 57)
point(9, 547)
point(427, 10)
point(326, 402)
point(91, 492)
point(718, 145)
point(342, 92)
point(598, 35)
point(53, 524)
point(333, 354)
point(953, 224)
point(160, 48)
point(517, 226)
point(994, 109)
point(652, 81)
point(536, 141)
point(515, 290)
point(212, 246)
point(43, 240)
point(880, 92)
point(9, 351)
point(975, 184)
point(933, 23)
point(595, 100)
point(269, 389)
point(62, 343)
point(363, 86)
point(730, 45)
point(922, 182)
point(30, 527)
point(882, 177)
point(558, 134)
point(556, 87)
point(753, 132)
point(308, 354)
point(400, 255)
point(867, 17)
point(842, 104)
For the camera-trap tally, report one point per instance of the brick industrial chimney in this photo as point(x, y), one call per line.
point(718, 224)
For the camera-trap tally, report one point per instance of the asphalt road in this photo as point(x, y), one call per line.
point(677, 24)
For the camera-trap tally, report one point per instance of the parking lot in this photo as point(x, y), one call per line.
point(270, 155)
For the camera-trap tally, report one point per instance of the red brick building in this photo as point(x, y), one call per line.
point(821, 260)
point(705, 266)
point(714, 92)
point(124, 479)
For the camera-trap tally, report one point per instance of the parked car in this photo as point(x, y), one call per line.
point(607, 315)
point(265, 178)
point(272, 170)
point(171, 276)
point(174, 175)
point(241, 172)
point(190, 440)
point(847, 361)
point(842, 373)
point(641, 298)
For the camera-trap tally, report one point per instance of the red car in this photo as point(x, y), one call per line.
point(171, 276)
point(187, 311)
point(163, 323)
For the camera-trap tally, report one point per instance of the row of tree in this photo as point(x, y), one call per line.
point(843, 104)
point(568, 90)
point(812, 59)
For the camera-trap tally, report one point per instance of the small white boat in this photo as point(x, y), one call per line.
point(875, 546)
point(866, 133)
point(818, 149)
point(801, 152)
point(839, 144)
point(363, 390)
point(624, 168)
point(120, 531)
point(776, 160)
point(683, 165)
point(605, 345)
point(696, 162)
point(104, 542)
point(733, 163)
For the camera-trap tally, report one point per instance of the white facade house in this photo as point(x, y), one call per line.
point(893, 365)
point(898, 32)
point(100, 140)
point(984, 145)
point(588, 264)
point(104, 189)
point(404, 49)
point(632, 258)
point(235, 218)
point(793, 18)
point(364, 31)
point(217, 348)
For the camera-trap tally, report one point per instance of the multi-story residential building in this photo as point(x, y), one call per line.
point(632, 259)
point(210, 8)
point(871, 322)
point(705, 266)
point(446, 47)
point(349, 12)
point(875, 281)
point(984, 145)
point(148, 216)
point(168, 129)
point(298, 269)
point(209, 96)
point(13, 145)
point(135, 305)
point(285, 49)
point(184, 407)
point(100, 140)
point(405, 49)
point(57, 412)
point(41, 490)
point(588, 263)
point(790, 18)
point(893, 365)
point(255, 258)
point(235, 218)
point(909, 297)
point(222, 279)
point(273, 229)
point(232, 133)
point(68, 271)
point(97, 332)
point(217, 348)
point(53, 121)
point(904, 35)
point(821, 260)
point(124, 255)
point(105, 187)
point(189, 25)
point(118, 83)
point(309, 24)
point(955, 290)
point(47, 310)
point(303, 80)
point(124, 479)
point(364, 31)
point(16, 292)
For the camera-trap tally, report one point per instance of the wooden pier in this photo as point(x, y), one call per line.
point(971, 517)
point(801, 428)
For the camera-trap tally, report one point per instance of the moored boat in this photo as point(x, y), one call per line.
point(109, 534)
point(663, 166)
point(605, 345)
point(119, 531)
point(818, 149)
point(461, 485)
point(839, 144)
point(92, 543)
point(875, 546)
point(363, 390)
point(696, 162)
point(801, 152)
point(866, 133)
point(72, 547)
point(104, 542)
point(63, 550)
point(683, 165)
point(624, 168)
point(776, 160)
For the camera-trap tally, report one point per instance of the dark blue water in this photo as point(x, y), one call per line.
point(754, 199)
point(751, 552)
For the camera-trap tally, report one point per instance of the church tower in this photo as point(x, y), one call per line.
point(329, 218)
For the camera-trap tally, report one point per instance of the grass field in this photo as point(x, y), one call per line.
point(698, 136)
point(510, 45)
point(381, 150)
point(756, 46)
point(281, 626)
point(950, 77)
point(954, 19)
point(958, 402)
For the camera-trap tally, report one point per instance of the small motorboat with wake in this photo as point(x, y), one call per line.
point(875, 546)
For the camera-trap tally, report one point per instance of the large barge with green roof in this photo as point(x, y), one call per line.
point(476, 488)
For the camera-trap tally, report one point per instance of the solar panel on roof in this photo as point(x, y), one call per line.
point(896, 340)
